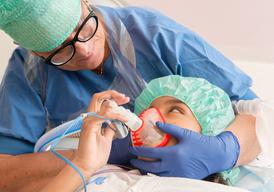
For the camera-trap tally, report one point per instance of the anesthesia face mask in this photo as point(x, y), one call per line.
point(143, 129)
point(148, 134)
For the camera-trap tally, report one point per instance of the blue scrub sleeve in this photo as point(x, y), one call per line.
point(23, 117)
point(13, 146)
point(249, 95)
point(185, 53)
point(198, 59)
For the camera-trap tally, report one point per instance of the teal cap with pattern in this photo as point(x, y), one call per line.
point(39, 25)
point(210, 105)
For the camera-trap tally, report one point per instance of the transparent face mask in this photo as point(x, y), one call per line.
point(149, 135)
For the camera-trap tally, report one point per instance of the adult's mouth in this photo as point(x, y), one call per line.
point(86, 58)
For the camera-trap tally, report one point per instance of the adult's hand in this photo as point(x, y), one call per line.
point(195, 156)
point(95, 145)
point(99, 98)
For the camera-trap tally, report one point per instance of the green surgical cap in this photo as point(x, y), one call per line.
point(210, 105)
point(39, 25)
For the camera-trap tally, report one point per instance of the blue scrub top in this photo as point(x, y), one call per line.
point(162, 47)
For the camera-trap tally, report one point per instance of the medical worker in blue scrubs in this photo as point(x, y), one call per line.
point(69, 50)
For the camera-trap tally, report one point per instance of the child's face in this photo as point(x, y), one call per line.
point(177, 113)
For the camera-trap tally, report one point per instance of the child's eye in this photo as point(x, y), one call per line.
point(175, 110)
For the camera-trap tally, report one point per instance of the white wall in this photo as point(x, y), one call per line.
point(242, 29)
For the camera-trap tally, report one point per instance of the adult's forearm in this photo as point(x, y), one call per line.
point(67, 174)
point(244, 128)
point(72, 178)
point(29, 172)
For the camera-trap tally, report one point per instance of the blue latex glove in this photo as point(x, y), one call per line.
point(195, 156)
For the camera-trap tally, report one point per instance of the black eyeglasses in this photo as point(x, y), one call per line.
point(66, 52)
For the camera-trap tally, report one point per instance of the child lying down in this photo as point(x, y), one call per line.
point(192, 103)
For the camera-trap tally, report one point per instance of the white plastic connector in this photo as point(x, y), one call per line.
point(134, 122)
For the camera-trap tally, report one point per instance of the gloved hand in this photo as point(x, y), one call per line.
point(195, 156)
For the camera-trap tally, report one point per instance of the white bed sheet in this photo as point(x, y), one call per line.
point(114, 179)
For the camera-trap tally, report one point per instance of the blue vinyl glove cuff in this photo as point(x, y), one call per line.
point(195, 156)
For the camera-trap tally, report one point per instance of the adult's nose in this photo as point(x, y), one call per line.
point(82, 49)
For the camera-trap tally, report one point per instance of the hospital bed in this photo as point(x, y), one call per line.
point(257, 176)
point(113, 178)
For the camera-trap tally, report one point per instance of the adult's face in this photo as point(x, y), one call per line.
point(88, 55)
